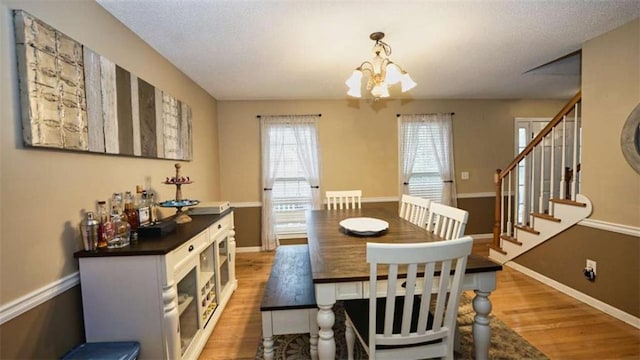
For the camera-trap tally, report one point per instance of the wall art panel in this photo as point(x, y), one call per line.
point(75, 99)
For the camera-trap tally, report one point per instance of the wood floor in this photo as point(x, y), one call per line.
point(558, 325)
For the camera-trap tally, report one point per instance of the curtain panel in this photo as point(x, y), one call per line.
point(274, 130)
point(432, 132)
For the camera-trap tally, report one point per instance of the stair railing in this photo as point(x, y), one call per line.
point(516, 205)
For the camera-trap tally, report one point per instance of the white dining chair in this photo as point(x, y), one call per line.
point(345, 199)
point(446, 221)
point(414, 209)
point(415, 322)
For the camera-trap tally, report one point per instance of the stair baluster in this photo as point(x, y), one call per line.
point(574, 180)
point(522, 208)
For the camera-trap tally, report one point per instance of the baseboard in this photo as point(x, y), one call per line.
point(593, 302)
point(248, 249)
point(27, 302)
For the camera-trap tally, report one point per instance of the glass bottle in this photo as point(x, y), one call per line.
point(153, 208)
point(143, 209)
point(117, 205)
point(105, 229)
point(122, 233)
point(132, 215)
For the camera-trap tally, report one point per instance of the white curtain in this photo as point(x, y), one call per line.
point(273, 130)
point(441, 136)
point(272, 133)
point(305, 130)
point(408, 126)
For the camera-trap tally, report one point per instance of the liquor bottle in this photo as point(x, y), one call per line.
point(132, 215)
point(105, 228)
point(143, 209)
point(153, 209)
point(117, 206)
point(122, 232)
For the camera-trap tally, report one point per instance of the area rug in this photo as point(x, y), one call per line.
point(505, 343)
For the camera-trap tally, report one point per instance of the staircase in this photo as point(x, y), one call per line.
point(538, 193)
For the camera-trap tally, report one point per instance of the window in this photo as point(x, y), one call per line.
point(426, 157)
point(290, 175)
point(425, 178)
point(291, 191)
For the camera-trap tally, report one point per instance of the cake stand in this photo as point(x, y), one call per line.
point(179, 202)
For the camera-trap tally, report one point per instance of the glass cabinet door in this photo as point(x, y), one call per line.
point(188, 309)
point(208, 294)
point(223, 266)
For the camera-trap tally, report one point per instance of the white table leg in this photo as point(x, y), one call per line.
point(313, 334)
point(481, 328)
point(268, 347)
point(326, 341)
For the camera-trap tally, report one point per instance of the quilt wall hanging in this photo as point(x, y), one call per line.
point(75, 99)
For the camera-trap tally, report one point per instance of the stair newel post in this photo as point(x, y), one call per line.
point(497, 221)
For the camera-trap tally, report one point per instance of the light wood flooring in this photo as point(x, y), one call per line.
point(558, 325)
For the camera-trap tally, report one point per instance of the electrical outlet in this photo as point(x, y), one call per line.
point(592, 264)
point(464, 175)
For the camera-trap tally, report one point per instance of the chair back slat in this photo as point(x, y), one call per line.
point(345, 199)
point(446, 221)
point(414, 209)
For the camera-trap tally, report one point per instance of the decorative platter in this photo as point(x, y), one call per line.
point(180, 203)
point(364, 226)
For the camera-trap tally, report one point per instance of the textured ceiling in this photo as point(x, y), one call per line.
point(288, 49)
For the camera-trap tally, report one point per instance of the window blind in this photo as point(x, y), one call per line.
point(291, 192)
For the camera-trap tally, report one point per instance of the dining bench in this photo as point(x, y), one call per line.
point(289, 302)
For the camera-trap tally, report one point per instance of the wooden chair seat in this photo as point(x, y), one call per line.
point(358, 311)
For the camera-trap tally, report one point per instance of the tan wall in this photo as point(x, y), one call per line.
point(359, 146)
point(47, 331)
point(617, 256)
point(611, 90)
point(43, 193)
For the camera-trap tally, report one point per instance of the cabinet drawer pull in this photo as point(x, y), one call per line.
point(190, 248)
point(219, 226)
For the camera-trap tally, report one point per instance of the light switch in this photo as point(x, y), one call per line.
point(464, 175)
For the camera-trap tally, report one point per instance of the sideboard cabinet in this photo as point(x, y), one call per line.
point(166, 293)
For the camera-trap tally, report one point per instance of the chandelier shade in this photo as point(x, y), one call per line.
point(381, 72)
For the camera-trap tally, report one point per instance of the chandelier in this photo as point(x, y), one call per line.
point(382, 72)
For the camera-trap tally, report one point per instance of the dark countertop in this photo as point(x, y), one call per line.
point(159, 245)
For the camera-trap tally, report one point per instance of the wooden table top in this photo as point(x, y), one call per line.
point(337, 256)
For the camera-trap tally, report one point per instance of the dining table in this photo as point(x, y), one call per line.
point(340, 270)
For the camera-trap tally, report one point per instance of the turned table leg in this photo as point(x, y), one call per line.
point(481, 328)
point(326, 341)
